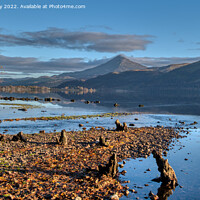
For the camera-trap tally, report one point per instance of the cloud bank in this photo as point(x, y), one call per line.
point(77, 40)
point(34, 65)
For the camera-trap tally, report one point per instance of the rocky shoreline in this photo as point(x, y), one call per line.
point(40, 168)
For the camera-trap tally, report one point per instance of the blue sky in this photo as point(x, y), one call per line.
point(152, 32)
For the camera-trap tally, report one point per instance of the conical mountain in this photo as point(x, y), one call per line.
point(118, 64)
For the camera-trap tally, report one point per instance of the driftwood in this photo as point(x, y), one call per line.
point(63, 138)
point(19, 137)
point(102, 142)
point(120, 127)
point(111, 169)
point(168, 176)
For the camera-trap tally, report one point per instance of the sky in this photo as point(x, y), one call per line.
point(48, 41)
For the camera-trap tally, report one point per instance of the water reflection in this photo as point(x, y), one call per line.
point(164, 192)
point(181, 101)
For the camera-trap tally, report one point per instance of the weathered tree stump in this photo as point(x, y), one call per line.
point(2, 138)
point(63, 138)
point(19, 137)
point(168, 176)
point(102, 142)
point(125, 127)
point(111, 169)
point(120, 127)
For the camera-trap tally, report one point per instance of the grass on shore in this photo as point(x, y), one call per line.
point(62, 117)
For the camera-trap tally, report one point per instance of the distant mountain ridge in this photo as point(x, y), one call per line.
point(172, 76)
point(172, 67)
point(119, 72)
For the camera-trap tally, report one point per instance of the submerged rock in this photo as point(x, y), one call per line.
point(48, 99)
point(140, 105)
point(22, 109)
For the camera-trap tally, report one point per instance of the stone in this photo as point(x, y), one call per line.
point(140, 105)
point(78, 198)
point(165, 153)
point(121, 165)
point(22, 109)
point(131, 190)
point(152, 196)
point(126, 192)
point(114, 197)
point(123, 172)
point(48, 99)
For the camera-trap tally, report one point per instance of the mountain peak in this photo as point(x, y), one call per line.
point(119, 63)
point(120, 57)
